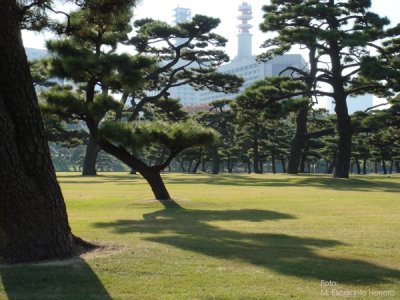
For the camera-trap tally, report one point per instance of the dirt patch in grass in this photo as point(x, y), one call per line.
point(103, 250)
point(99, 250)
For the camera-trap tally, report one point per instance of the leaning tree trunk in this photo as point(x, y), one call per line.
point(151, 174)
point(89, 163)
point(153, 177)
point(33, 219)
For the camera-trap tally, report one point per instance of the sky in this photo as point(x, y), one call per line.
point(226, 10)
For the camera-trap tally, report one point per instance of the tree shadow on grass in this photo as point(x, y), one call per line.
point(289, 255)
point(70, 279)
point(122, 178)
point(319, 181)
point(311, 180)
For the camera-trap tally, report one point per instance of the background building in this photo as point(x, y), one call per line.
point(34, 54)
point(243, 65)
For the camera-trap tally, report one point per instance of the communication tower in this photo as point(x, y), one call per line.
point(244, 36)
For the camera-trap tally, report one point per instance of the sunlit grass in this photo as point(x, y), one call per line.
point(237, 237)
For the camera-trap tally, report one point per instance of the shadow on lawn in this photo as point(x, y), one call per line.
point(289, 255)
point(123, 178)
point(319, 181)
point(310, 180)
point(71, 279)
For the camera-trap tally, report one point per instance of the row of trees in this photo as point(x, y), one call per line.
point(147, 130)
point(86, 55)
point(374, 147)
point(33, 220)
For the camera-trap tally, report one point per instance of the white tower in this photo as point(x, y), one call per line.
point(181, 15)
point(244, 36)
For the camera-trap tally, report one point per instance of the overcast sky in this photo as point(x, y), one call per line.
point(226, 10)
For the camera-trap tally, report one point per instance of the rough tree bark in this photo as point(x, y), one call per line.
point(33, 219)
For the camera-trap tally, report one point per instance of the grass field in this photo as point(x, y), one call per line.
point(236, 237)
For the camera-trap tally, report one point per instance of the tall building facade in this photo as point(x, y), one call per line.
point(181, 15)
point(243, 65)
point(358, 103)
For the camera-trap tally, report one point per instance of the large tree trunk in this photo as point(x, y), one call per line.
point(344, 145)
point(33, 219)
point(344, 126)
point(298, 142)
point(89, 163)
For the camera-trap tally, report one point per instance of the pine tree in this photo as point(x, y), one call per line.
point(271, 98)
point(145, 78)
point(336, 32)
point(33, 219)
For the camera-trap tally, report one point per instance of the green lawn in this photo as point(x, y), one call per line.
point(236, 237)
